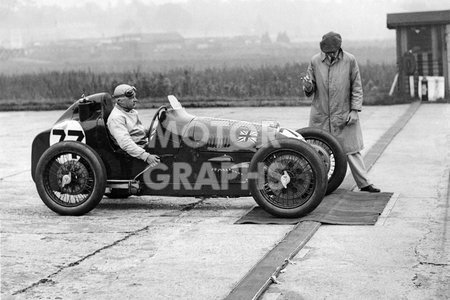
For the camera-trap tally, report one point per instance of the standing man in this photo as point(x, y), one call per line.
point(126, 128)
point(334, 80)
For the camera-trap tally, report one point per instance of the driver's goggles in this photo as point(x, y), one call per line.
point(130, 93)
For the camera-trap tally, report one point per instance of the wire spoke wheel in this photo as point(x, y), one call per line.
point(70, 178)
point(301, 180)
point(326, 154)
point(331, 152)
point(287, 179)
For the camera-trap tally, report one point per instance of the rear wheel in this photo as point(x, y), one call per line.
point(331, 153)
point(70, 178)
point(287, 180)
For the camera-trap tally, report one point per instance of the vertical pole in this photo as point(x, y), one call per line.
point(401, 73)
point(446, 58)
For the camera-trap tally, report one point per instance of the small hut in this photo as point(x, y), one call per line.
point(423, 53)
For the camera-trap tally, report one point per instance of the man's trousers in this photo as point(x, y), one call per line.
point(356, 163)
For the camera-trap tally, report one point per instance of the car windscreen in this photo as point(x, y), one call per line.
point(174, 102)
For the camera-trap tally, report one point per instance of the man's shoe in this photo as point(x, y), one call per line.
point(370, 188)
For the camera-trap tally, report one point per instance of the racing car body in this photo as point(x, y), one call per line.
point(76, 162)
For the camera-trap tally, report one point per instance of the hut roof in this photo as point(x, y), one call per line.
point(418, 18)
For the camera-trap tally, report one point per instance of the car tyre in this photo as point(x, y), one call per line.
point(324, 141)
point(70, 178)
point(307, 178)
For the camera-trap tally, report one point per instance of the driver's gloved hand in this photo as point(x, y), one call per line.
point(153, 160)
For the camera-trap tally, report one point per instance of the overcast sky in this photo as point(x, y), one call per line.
point(23, 21)
point(401, 5)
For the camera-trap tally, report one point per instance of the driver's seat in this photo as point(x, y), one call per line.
point(107, 106)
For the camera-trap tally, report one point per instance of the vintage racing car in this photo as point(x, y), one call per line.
point(75, 163)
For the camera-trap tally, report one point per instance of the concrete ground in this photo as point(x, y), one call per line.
point(407, 254)
point(186, 248)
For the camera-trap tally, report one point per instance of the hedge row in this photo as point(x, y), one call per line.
point(235, 82)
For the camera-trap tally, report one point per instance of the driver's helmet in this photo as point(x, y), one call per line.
point(124, 90)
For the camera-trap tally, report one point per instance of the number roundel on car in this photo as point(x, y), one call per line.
point(68, 130)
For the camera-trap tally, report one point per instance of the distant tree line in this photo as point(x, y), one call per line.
point(233, 82)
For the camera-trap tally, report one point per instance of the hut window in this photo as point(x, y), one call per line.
point(419, 39)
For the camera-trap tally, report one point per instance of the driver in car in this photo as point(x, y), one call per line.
point(125, 127)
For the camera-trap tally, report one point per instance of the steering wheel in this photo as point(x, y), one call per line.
point(155, 121)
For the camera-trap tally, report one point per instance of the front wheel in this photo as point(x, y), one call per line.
point(70, 178)
point(331, 153)
point(287, 178)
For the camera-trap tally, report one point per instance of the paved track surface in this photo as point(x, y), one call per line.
point(186, 248)
point(406, 255)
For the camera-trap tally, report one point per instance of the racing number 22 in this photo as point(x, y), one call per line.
point(78, 133)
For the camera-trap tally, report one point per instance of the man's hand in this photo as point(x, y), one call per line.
point(307, 83)
point(352, 117)
point(153, 160)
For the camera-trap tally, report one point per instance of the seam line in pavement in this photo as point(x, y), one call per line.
point(48, 279)
point(72, 264)
point(14, 174)
point(387, 210)
point(267, 269)
point(258, 279)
